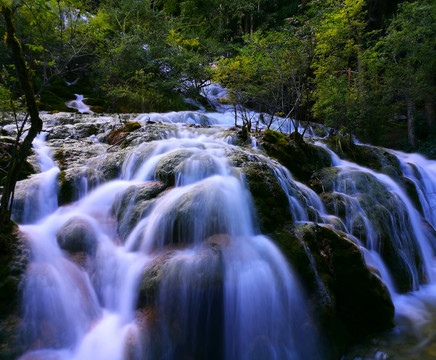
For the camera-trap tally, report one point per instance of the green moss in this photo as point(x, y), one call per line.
point(272, 206)
point(131, 126)
point(301, 158)
point(92, 130)
point(59, 156)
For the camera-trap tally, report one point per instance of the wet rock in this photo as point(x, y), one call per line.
point(270, 200)
point(117, 136)
point(132, 205)
point(334, 203)
point(351, 302)
point(166, 167)
point(300, 157)
point(377, 217)
point(77, 235)
point(201, 265)
point(191, 279)
point(369, 156)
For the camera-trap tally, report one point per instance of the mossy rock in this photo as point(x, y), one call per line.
point(349, 300)
point(207, 265)
point(191, 280)
point(377, 217)
point(166, 168)
point(66, 190)
point(132, 205)
point(77, 235)
point(372, 157)
point(118, 136)
point(270, 200)
point(300, 157)
point(334, 203)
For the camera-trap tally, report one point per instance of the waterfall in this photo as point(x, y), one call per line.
point(40, 192)
point(79, 105)
point(179, 223)
point(401, 221)
point(168, 261)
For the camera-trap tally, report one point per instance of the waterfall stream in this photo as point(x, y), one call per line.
point(77, 306)
point(168, 261)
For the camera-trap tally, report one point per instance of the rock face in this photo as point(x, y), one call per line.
point(272, 206)
point(350, 301)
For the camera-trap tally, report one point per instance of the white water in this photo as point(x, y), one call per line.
point(79, 105)
point(41, 198)
point(83, 305)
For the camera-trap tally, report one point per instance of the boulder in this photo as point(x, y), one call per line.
point(270, 200)
point(377, 217)
point(167, 166)
point(351, 302)
point(190, 279)
point(77, 235)
point(300, 157)
point(131, 206)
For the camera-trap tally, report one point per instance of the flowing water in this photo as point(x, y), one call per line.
point(168, 262)
point(226, 291)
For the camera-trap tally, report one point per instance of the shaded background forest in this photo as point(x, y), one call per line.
point(364, 67)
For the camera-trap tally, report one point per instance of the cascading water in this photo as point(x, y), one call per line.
point(168, 262)
point(388, 212)
point(79, 105)
point(41, 197)
point(222, 289)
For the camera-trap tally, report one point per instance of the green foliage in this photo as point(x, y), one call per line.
point(407, 56)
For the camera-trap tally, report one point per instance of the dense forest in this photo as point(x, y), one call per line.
point(366, 68)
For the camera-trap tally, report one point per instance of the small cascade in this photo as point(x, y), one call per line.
point(423, 174)
point(79, 105)
point(380, 214)
point(40, 197)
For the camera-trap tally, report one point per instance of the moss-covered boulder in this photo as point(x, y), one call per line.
point(77, 235)
point(300, 157)
point(270, 200)
point(182, 293)
point(373, 157)
point(377, 217)
point(351, 301)
point(132, 205)
point(166, 168)
point(204, 263)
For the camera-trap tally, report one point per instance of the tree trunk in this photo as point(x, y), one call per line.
point(429, 113)
point(35, 122)
point(410, 121)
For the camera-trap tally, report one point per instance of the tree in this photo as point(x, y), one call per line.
point(339, 73)
point(408, 61)
point(35, 122)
